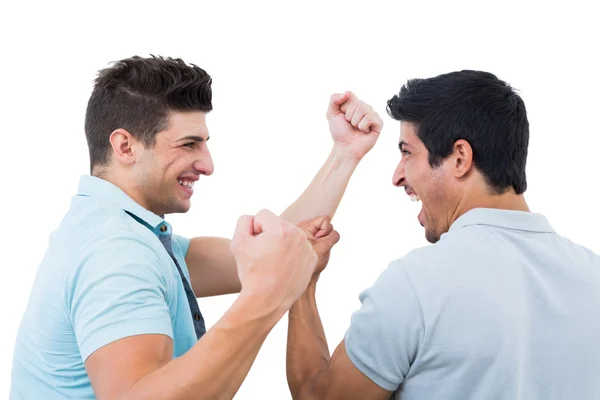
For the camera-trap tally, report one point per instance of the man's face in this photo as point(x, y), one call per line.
point(166, 173)
point(432, 186)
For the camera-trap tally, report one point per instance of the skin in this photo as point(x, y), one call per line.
point(150, 175)
point(447, 192)
point(269, 262)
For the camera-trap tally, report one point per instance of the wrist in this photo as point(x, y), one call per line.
point(344, 156)
point(256, 306)
point(309, 295)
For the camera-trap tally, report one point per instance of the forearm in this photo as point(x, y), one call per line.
point(307, 351)
point(323, 195)
point(212, 267)
point(218, 363)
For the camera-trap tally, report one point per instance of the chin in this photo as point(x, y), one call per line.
point(179, 207)
point(431, 236)
point(183, 208)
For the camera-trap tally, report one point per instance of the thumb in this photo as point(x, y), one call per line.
point(323, 245)
point(324, 227)
point(335, 103)
point(266, 221)
point(243, 230)
point(316, 227)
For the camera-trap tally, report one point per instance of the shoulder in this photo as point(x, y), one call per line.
point(94, 224)
point(463, 246)
point(101, 240)
point(89, 217)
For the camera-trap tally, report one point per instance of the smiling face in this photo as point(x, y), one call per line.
point(435, 187)
point(464, 139)
point(162, 177)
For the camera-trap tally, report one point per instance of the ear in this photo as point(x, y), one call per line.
point(124, 146)
point(463, 158)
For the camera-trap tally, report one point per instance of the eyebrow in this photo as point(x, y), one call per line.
point(403, 143)
point(192, 137)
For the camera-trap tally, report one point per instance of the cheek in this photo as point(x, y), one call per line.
point(416, 177)
point(436, 192)
point(176, 165)
point(409, 172)
point(425, 182)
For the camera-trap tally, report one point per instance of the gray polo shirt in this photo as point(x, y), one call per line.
point(502, 307)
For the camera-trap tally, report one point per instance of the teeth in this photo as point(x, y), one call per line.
point(186, 183)
point(414, 197)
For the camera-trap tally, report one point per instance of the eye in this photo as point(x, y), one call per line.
point(404, 152)
point(190, 144)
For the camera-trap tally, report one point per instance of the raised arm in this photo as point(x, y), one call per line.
point(355, 128)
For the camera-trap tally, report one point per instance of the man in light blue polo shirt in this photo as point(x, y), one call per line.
point(499, 307)
point(113, 311)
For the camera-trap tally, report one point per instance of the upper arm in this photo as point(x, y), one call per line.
point(382, 341)
point(212, 267)
point(119, 311)
point(116, 367)
point(343, 381)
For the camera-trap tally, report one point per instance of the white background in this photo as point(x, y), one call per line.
point(274, 67)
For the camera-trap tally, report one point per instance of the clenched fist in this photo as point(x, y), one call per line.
point(275, 260)
point(354, 125)
point(321, 235)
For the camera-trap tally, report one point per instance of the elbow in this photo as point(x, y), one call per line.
point(308, 386)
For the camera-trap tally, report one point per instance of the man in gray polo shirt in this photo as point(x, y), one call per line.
point(500, 306)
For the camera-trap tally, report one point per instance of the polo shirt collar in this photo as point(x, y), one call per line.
point(97, 187)
point(509, 219)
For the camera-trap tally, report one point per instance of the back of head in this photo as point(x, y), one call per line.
point(477, 107)
point(137, 94)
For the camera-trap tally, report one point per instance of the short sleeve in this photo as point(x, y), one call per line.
point(117, 289)
point(385, 333)
point(183, 243)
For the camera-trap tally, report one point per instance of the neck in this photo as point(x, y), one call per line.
point(508, 200)
point(128, 189)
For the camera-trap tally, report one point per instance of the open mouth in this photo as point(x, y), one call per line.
point(415, 198)
point(411, 193)
point(186, 183)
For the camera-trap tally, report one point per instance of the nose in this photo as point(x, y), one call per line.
point(398, 179)
point(204, 163)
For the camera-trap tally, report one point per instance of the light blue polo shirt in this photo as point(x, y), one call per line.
point(105, 276)
point(501, 308)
